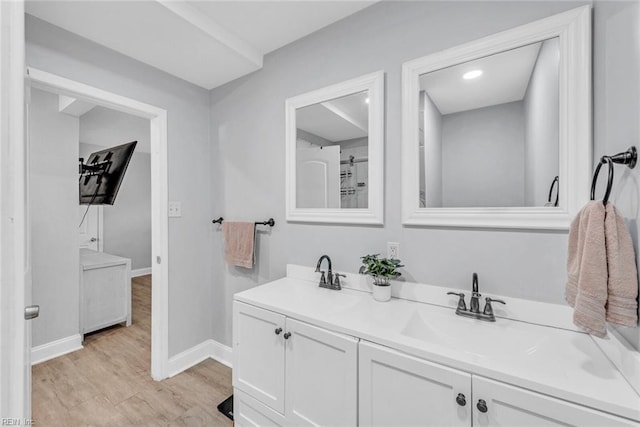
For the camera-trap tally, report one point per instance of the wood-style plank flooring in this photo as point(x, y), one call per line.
point(108, 382)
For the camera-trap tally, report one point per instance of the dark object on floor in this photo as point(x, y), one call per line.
point(226, 407)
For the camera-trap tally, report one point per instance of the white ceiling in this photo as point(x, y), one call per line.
point(108, 128)
point(505, 79)
point(337, 120)
point(207, 43)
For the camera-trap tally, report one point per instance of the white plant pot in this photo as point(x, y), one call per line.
point(381, 293)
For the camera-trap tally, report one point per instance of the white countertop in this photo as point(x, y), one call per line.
point(557, 362)
point(90, 259)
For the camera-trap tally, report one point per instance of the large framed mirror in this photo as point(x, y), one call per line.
point(334, 153)
point(497, 132)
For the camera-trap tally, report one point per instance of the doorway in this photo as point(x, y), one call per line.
point(159, 195)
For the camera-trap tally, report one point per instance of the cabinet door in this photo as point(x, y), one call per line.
point(321, 377)
point(396, 389)
point(248, 412)
point(258, 352)
point(513, 406)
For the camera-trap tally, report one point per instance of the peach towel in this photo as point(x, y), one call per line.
point(239, 239)
point(622, 303)
point(603, 281)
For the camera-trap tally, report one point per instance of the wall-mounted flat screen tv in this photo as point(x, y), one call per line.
point(102, 174)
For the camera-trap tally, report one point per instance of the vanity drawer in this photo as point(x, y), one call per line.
point(248, 412)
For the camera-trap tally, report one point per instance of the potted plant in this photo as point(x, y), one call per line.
point(382, 269)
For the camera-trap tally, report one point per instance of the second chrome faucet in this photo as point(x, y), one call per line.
point(474, 304)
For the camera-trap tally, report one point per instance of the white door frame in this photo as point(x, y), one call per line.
point(15, 360)
point(159, 198)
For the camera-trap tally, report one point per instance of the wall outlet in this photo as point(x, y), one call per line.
point(175, 209)
point(393, 250)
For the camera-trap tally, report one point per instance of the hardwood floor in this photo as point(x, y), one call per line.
point(108, 383)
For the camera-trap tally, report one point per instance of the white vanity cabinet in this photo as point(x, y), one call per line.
point(509, 406)
point(399, 389)
point(105, 290)
point(292, 373)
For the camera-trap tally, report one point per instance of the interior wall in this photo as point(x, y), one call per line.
point(432, 152)
point(542, 127)
point(127, 223)
point(483, 157)
point(616, 74)
point(53, 195)
point(192, 162)
point(248, 130)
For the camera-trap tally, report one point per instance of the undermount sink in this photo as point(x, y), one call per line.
point(501, 340)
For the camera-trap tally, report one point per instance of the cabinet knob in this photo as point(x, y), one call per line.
point(461, 400)
point(287, 335)
point(278, 330)
point(482, 406)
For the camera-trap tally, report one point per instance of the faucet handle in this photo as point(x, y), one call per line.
point(322, 278)
point(337, 276)
point(488, 309)
point(462, 306)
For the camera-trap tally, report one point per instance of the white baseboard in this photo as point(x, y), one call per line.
point(140, 272)
point(191, 357)
point(53, 349)
point(221, 353)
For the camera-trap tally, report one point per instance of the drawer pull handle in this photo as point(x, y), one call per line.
point(287, 335)
point(278, 330)
point(461, 400)
point(482, 406)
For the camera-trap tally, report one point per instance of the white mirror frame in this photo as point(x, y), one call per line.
point(373, 214)
point(574, 31)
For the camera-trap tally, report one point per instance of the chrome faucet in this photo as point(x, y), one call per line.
point(474, 304)
point(328, 281)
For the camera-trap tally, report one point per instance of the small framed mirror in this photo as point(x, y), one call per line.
point(334, 153)
point(497, 132)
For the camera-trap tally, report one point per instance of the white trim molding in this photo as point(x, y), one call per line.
point(141, 272)
point(56, 348)
point(159, 198)
point(15, 294)
point(374, 214)
point(196, 354)
point(573, 29)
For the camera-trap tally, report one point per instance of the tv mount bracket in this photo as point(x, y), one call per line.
point(96, 168)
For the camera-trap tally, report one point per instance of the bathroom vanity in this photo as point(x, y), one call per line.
point(105, 290)
point(304, 355)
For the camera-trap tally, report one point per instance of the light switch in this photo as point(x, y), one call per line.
point(175, 209)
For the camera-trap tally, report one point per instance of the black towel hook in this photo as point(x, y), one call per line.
point(629, 158)
point(554, 183)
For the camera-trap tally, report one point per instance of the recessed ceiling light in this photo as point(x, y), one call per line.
point(472, 74)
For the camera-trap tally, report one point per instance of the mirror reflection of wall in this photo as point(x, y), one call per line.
point(332, 147)
point(489, 130)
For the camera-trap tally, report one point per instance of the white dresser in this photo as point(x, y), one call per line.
point(105, 290)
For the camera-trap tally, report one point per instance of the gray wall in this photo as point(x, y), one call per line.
point(127, 224)
point(542, 128)
point(432, 162)
point(192, 240)
point(53, 193)
point(616, 74)
point(483, 157)
point(247, 129)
